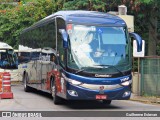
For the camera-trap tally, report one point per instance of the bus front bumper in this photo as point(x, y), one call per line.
point(100, 92)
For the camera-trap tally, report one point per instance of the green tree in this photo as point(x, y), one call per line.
point(92, 5)
point(146, 14)
point(15, 19)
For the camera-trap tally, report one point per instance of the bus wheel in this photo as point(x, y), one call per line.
point(25, 80)
point(56, 99)
point(107, 102)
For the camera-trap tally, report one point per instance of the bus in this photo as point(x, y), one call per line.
point(79, 55)
point(8, 60)
point(26, 54)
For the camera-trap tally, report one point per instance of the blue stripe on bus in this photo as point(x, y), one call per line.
point(98, 81)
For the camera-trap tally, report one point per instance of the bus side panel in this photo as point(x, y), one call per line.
point(39, 41)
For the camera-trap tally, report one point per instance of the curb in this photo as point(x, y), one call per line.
point(16, 83)
point(147, 100)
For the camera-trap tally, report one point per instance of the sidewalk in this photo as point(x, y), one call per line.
point(145, 99)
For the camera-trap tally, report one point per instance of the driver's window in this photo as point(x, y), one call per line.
point(60, 49)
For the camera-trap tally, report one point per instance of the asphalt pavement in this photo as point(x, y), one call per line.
point(134, 97)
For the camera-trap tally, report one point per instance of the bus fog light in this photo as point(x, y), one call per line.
point(72, 93)
point(126, 94)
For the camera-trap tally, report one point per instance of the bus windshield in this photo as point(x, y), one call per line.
point(8, 59)
point(98, 47)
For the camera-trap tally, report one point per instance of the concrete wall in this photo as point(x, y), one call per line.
point(136, 83)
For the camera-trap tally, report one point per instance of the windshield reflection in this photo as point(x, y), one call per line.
point(95, 46)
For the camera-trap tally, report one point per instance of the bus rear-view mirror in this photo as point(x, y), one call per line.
point(138, 40)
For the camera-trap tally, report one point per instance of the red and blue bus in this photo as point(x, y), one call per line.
point(79, 55)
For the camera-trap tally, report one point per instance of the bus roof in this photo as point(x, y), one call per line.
point(24, 49)
point(4, 46)
point(85, 17)
point(94, 17)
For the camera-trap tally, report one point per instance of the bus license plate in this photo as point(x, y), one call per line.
point(101, 97)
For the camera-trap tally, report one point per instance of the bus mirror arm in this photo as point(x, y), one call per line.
point(64, 37)
point(138, 40)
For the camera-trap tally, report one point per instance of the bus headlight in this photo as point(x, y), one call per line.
point(74, 82)
point(71, 81)
point(126, 83)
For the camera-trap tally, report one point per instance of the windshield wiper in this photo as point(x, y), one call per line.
point(113, 67)
point(84, 68)
point(80, 70)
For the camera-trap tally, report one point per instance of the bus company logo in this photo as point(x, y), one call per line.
point(102, 75)
point(44, 57)
point(124, 79)
point(101, 89)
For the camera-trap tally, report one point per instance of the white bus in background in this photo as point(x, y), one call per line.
point(24, 54)
point(33, 60)
point(8, 61)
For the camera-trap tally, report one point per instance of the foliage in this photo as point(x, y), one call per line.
point(93, 5)
point(15, 19)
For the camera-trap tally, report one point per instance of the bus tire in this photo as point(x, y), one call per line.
point(107, 102)
point(25, 81)
point(56, 99)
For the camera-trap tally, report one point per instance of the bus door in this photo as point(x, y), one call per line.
point(23, 62)
point(44, 67)
point(35, 68)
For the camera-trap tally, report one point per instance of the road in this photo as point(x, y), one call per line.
point(37, 100)
point(40, 101)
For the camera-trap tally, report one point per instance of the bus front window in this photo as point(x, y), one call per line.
point(8, 59)
point(98, 47)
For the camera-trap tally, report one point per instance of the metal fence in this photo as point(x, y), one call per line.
point(150, 76)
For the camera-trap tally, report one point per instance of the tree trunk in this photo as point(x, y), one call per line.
point(152, 43)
